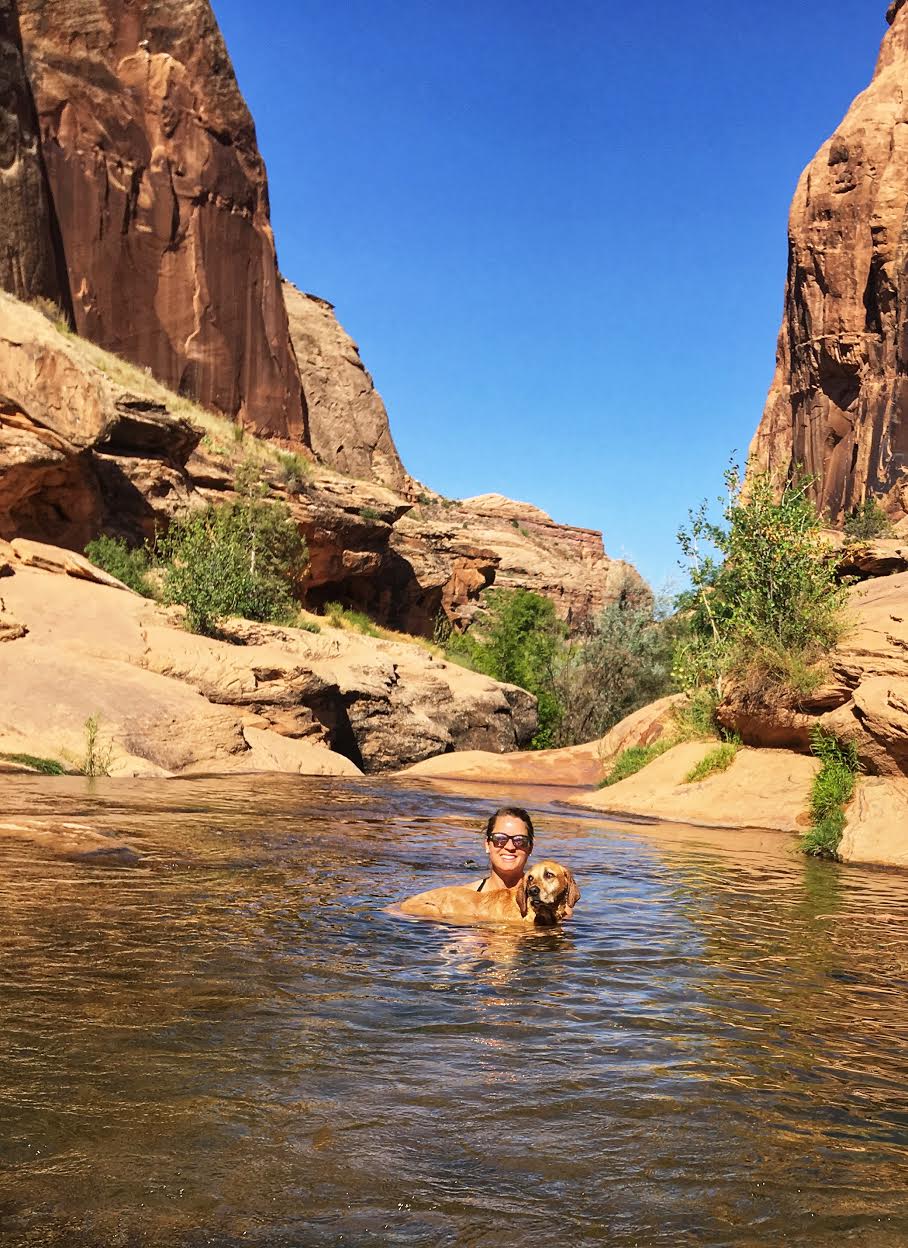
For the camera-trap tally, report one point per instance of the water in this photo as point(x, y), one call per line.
point(230, 1042)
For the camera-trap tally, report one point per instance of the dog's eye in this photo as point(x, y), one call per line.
point(549, 875)
point(529, 879)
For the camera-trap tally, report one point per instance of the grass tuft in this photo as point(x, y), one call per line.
point(634, 759)
point(719, 759)
point(47, 766)
point(832, 789)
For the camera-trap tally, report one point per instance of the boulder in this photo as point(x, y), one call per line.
point(876, 829)
point(864, 700)
point(840, 386)
point(80, 451)
point(161, 200)
point(575, 765)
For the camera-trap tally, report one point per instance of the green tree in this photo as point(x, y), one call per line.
point(518, 640)
point(622, 662)
point(242, 558)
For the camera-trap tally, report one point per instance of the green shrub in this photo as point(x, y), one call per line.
point(295, 470)
point(242, 558)
point(766, 607)
point(634, 759)
point(369, 513)
point(308, 626)
point(719, 759)
point(832, 789)
point(130, 566)
point(621, 662)
point(867, 521)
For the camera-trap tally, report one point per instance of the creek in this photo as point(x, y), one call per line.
point(230, 1041)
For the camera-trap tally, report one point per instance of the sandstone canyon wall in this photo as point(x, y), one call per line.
point(28, 257)
point(838, 401)
point(162, 201)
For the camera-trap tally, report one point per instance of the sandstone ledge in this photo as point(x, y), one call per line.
point(761, 789)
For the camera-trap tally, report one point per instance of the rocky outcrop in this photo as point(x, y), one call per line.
point(840, 389)
point(80, 452)
point(28, 258)
point(865, 699)
point(169, 702)
point(575, 765)
point(492, 538)
point(348, 424)
point(162, 202)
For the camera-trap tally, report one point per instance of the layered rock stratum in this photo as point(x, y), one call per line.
point(840, 392)
point(161, 199)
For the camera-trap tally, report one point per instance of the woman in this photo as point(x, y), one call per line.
point(509, 843)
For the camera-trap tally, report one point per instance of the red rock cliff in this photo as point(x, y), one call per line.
point(839, 399)
point(162, 200)
point(28, 262)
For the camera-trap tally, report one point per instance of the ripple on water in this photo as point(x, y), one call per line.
point(233, 1042)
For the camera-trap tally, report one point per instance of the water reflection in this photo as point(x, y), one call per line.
point(233, 1041)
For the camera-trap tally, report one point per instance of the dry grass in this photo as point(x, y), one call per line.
point(222, 437)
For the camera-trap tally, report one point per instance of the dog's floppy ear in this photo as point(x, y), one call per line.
point(573, 892)
point(520, 896)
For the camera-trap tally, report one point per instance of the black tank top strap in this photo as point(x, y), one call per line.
point(481, 885)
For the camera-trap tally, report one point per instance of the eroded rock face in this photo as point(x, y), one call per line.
point(517, 546)
point(78, 451)
point(28, 260)
point(162, 201)
point(840, 390)
point(348, 424)
point(169, 702)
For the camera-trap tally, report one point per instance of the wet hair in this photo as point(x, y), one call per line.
point(514, 812)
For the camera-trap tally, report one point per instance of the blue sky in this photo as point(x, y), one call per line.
point(557, 232)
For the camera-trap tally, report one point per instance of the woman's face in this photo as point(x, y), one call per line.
point(508, 860)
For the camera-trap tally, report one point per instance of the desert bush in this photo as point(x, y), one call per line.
point(354, 621)
point(242, 558)
point(129, 565)
point(294, 469)
point(47, 766)
point(622, 662)
point(867, 521)
point(765, 606)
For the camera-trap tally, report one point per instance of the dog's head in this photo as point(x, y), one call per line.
point(550, 889)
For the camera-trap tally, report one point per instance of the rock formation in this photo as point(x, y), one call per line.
point(348, 424)
point(80, 452)
point(838, 400)
point(28, 260)
point(169, 702)
point(162, 201)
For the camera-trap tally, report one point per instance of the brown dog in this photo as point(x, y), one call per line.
point(546, 894)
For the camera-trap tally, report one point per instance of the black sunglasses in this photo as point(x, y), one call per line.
point(500, 839)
